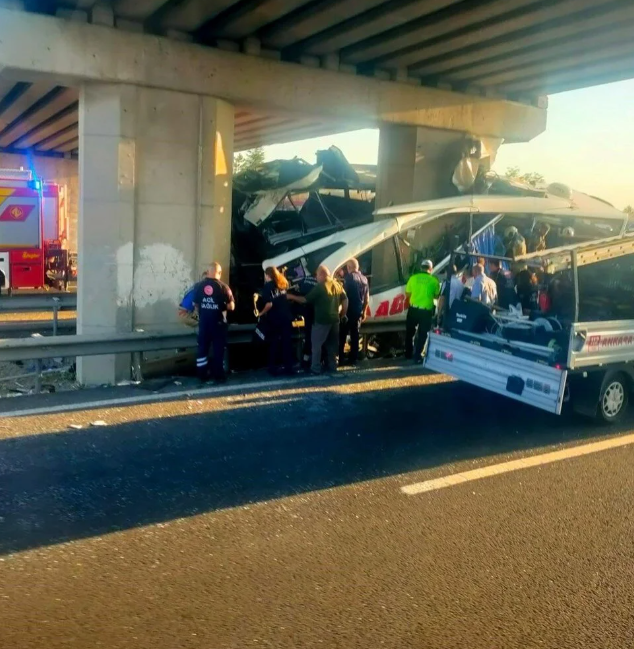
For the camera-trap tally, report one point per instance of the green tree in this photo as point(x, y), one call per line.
point(531, 178)
point(629, 210)
point(251, 160)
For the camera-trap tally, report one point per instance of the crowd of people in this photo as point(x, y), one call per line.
point(333, 311)
point(333, 308)
point(527, 290)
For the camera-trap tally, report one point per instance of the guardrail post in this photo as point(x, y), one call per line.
point(137, 373)
point(38, 376)
point(225, 360)
point(56, 305)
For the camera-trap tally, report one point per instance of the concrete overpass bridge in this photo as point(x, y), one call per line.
point(518, 49)
point(154, 96)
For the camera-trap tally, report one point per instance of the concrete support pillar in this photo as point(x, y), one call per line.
point(437, 153)
point(155, 208)
point(396, 161)
point(417, 163)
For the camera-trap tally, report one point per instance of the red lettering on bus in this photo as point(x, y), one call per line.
point(383, 310)
point(397, 305)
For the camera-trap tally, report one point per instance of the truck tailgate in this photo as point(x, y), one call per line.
point(530, 382)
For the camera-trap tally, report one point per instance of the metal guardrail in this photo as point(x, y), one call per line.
point(29, 327)
point(38, 349)
point(20, 349)
point(34, 303)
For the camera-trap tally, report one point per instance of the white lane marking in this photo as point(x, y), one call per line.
point(515, 465)
point(193, 393)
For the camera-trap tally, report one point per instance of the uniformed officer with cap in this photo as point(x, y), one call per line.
point(421, 290)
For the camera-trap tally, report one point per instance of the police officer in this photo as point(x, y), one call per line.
point(212, 299)
point(421, 290)
point(355, 284)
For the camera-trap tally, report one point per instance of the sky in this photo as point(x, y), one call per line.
point(588, 144)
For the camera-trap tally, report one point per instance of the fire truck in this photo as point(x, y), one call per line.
point(33, 232)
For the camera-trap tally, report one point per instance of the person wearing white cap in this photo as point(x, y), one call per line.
point(421, 290)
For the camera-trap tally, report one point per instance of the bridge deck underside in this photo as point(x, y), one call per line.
point(43, 119)
point(516, 49)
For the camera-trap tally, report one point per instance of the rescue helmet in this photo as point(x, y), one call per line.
point(568, 232)
point(427, 263)
point(510, 232)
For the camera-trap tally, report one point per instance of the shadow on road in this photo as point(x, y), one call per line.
point(61, 486)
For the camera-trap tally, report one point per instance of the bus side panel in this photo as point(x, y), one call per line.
point(531, 383)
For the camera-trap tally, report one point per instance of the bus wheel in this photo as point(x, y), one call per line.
point(613, 398)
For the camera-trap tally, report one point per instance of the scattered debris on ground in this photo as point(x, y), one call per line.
point(17, 379)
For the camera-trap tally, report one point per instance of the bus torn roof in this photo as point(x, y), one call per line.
point(577, 205)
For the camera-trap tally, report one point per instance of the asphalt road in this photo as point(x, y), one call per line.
point(274, 518)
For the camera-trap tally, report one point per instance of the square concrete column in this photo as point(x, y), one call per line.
point(396, 161)
point(155, 207)
point(417, 163)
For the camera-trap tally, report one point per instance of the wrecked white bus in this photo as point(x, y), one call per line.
point(391, 247)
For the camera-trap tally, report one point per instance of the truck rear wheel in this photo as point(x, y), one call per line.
point(613, 398)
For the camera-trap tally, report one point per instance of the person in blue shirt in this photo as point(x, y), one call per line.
point(279, 321)
point(186, 310)
point(355, 284)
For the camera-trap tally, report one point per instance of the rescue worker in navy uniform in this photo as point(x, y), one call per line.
point(355, 284)
point(279, 320)
point(212, 299)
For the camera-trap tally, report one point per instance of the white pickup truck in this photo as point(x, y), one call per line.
point(581, 350)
